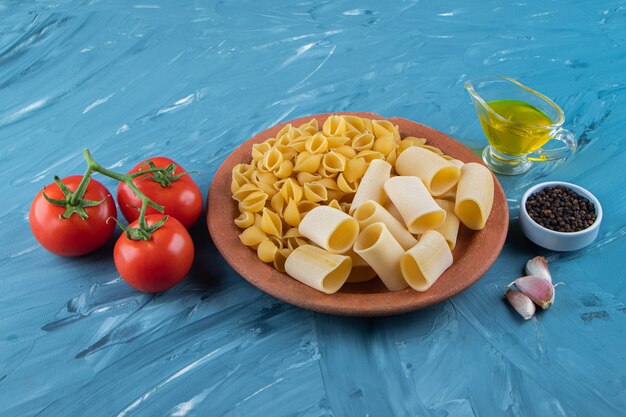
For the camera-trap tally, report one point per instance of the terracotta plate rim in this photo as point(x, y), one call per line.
point(465, 271)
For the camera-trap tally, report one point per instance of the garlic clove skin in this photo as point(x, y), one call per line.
point(521, 303)
point(538, 266)
point(537, 289)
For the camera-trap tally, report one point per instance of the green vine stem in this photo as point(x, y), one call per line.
point(74, 202)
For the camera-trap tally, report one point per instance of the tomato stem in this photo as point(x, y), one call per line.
point(143, 232)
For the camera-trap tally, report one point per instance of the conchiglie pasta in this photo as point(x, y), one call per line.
point(315, 192)
point(384, 128)
point(259, 149)
point(384, 145)
point(355, 123)
point(244, 191)
point(370, 156)
point(271, 223)
point(272, 160)
point(277, 203)
point(354, 169)
point(254, 202)
point(245, 220)
point(291, 214)
point(299, 144)
point(336, 141)
point(309, 127)
point(334, 126)
point(291, 189)
point(307, 162)
point(316, 144)
point(252, 236)
point(346, 151)
point(334, 162)
point(266, 251)
point(284, 170)
point(304, 177)
point(363, 142)
point(347, 186)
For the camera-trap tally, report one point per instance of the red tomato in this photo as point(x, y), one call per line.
point(73, 236)
point(181, 199)
point(159, 263)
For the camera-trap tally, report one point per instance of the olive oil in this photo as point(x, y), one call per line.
point(525, 129)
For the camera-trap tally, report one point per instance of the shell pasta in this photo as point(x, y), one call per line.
point(350, 199)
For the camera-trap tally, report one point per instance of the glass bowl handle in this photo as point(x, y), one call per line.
point(570, 143)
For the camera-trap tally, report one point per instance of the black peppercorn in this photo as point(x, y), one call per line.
point(561, 209)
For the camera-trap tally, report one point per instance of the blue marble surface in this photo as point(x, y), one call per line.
point(192, 80)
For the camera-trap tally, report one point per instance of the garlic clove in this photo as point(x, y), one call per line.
point(538, 266)
point(537, 289)
point(521, 303)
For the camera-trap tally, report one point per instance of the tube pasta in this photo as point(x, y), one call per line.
point(416, 206)
point(361, 274)
point(438, 174)
point(319, 269)
point(329, 228)
point(382, 252)
point(474, 196)
point(372, 184)
point(393, 211)
point(424, 263)
point(371, 212)
point(450, 227)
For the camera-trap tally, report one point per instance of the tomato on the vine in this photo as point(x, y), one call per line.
point(178, 194)
point(73, 236)
point(159, 263)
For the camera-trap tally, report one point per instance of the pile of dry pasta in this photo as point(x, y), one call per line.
point(355, 200)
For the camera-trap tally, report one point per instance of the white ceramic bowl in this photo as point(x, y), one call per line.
point(559, 241)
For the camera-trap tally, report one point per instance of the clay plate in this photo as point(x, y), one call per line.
point(473, 255)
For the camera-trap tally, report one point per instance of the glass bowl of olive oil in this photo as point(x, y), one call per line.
point(518, 122)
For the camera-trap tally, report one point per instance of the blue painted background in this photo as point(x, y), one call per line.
point(191, 80)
